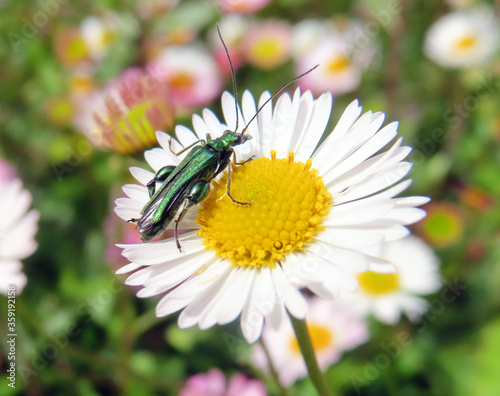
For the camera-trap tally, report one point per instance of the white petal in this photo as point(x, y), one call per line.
point(213, 123)
point(205, 296)
point(350, 238)
point(370, 147)
point(185, 136)
point(407, 202)
point(229, 300)
point(292, 298)
point(407, 216)
point(136, 192)
point(363, 170)
point(316, 127)
point(306, 105)
point(141, 175)
point(166, 141)
point(332, 152)
point(160, 252)
point(265, 120)
point(397, 189)
point(159, 279)
point(158, 158)
point(328, 275)
point(385, 177)
point(127, 268)
point(237, 297)
point(261, 301)
point(249, 111)
point(277, 316)
point(200, 127)
point(18, 242)
point(229, 110)
point(189, 290)
point(282, 126)
point(346, 121)
point(14, 202)
point(357, 212)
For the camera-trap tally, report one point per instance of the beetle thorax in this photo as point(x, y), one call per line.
point(229, 139)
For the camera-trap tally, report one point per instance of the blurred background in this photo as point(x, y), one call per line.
point(84, 85)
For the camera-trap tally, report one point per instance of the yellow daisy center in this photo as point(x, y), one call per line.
point(81, 85)
point(287, 202)
point(182, 81)
point(338, 65)
point(268, 52)
point(77, 50)
point(265, 48)
point(377, 284)
point(109, 37)
point(321, 338)
point(466, 43)
point(133, 131)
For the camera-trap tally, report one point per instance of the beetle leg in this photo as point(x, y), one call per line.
point(185, 148)
point(198, 193)
point(228, 189)
point(244, 162)
point(160, 176)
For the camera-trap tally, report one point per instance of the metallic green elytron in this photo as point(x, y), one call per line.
point(187, 184)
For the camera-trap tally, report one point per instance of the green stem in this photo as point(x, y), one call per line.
point(307, 350)
point(390, 382)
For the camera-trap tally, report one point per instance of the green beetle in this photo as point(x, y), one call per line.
point(188, 183)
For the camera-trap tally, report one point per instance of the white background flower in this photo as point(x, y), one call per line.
point(333, 327)
point(463, 38)
point(417, 275)
point(17, 229)
point(211, 290)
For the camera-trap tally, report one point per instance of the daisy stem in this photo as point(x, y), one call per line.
point(307, 350)
point(274, 373)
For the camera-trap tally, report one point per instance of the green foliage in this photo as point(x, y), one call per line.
point(82, 332)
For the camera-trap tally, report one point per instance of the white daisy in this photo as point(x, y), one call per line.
point(17, 229)
point(342, 49)
point(100, 32)
point(304, 228)
point(463, 38)
point(333, 328)
point(336, 72)
point(386, 296)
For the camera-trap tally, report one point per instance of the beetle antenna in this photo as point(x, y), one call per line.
point(276, 93)
point(235, 91)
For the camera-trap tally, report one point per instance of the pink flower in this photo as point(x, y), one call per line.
point(213, 383)
point(333, 329)
point(267, 44)
point(7, 171)
point(191, 74)
point(125, 115)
